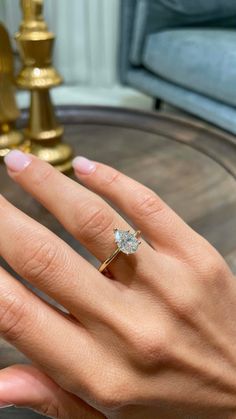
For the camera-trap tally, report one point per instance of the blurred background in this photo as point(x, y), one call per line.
point(85, 53)
point(142, 53)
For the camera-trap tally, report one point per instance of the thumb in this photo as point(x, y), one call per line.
point(27, 386)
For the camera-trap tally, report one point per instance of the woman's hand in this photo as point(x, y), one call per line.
point(158, 340)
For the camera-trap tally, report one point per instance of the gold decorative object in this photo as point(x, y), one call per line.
point(9, 136)
point(35, 44)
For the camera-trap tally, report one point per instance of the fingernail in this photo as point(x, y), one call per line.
point(17, 161)
point(83, 165)
point(4, 405)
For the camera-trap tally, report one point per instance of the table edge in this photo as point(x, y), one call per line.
point(205, 138)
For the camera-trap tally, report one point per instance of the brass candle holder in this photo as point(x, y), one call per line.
point(9, 136)
point(35, 44)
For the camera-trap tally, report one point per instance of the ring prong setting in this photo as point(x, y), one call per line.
point(126, 241)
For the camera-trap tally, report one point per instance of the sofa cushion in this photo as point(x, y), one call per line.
point(154, 15)
point(194, 103)
point(203, 60)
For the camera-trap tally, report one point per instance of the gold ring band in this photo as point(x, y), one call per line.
point(127, 243)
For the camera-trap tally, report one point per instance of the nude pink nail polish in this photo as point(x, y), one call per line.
point(83, 165)
point(17, 161)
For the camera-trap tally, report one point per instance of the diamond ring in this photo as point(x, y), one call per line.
point(127, 243)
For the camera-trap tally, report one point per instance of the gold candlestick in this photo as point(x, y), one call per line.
point(9, 136)
point(38, 75)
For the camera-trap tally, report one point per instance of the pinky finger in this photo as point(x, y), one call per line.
point(26, 386)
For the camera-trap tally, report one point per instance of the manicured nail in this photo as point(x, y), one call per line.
point(83, 165)
point(17, 161)
point(4, 405)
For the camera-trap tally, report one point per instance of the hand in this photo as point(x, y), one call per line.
point(156, 341)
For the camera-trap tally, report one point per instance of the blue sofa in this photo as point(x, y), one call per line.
point(184, 53)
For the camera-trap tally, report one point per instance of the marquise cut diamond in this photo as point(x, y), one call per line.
point(127, 242)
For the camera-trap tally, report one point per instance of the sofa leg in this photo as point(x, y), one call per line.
point(157, 104)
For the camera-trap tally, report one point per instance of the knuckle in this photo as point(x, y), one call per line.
point(97, 220)
point(43, 174)
point(39, 259)
point(214, 270)
point(217, 268)
point(146, 203)
point(187, 306)
point(108, 394)
point(111, 178)
point(150, 347)
point(13, 313)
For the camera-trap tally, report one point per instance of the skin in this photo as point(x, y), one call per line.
point(155, 341)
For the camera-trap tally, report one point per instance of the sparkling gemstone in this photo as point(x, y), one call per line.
point(126, 241)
